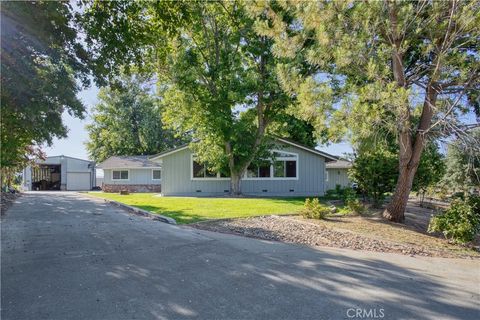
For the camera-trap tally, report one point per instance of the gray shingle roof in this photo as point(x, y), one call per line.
point(339, 164)
point(328, 157)
point(119, 162)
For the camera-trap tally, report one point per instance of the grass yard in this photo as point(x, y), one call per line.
point(189, 209)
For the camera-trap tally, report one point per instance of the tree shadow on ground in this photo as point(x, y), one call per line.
point(147, 270)
point(269, 282)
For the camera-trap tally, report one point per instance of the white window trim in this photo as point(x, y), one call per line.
point(326, 175)
point(296, 159)
point(128, 170)
point(217, 178)
point(160, 175)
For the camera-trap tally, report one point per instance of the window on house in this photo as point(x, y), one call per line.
point(120, 175)
point(264, 170)
point(201, 171)
point(198, 170)
point(261, 171)
point(291, 169)
point(279, 169)
point(283, 166)
point(252, 171)
point(285, 169)
point(280, 154)
point(156, 174)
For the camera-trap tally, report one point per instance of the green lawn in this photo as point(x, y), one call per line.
point(189, 210)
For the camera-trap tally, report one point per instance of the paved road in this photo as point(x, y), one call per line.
point(66, 256)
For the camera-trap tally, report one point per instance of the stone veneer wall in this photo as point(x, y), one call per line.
point(131, 187)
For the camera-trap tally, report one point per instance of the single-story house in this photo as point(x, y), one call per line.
point(297, 171)
point(337, 174)
point(60, 173)
point(132, 173)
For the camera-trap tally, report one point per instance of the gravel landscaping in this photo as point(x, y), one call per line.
point(295, 229)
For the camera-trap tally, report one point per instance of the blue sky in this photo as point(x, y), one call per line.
point(74, 144)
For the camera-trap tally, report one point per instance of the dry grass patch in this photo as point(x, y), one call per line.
point(353, 232)
point(377, 228)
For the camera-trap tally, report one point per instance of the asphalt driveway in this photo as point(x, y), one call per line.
point(68, 256)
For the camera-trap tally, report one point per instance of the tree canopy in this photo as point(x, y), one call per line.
point(43, 68)
point(128, 121)
point(216, 76)
point(359, 66)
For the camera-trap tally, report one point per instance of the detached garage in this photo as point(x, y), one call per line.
point(60, 173)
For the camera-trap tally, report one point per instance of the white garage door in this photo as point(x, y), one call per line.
point(78, 181)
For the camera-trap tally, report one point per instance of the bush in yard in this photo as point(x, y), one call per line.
point(338, 189)
point(337, 193)
point(356, 206)
point(331, 194)
point(351, 201)
point(460, 222)
point(313, 209)
point(348, 194)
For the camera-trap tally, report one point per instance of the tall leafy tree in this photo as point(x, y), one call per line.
point(216, 75)
point(390, 61)
point(128, 121)
point(43, 67)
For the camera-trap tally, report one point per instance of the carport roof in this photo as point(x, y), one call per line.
point(128, 162)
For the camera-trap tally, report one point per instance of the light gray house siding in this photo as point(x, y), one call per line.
point(337, 176)
point(136, 176)
point(177, 179)
point(139, 178)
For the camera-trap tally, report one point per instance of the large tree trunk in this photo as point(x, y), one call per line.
point(409, 159)
point(395, 210)
point(411, 142)
point(235, 176)
point(235, 185)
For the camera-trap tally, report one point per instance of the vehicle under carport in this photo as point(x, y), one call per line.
point(46, 177)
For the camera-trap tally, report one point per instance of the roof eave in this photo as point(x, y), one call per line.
point(315, 151)
point(166, 153)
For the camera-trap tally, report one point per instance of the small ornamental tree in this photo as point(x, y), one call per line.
point(375, 172)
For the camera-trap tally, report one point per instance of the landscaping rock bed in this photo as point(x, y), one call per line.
point(293, 230)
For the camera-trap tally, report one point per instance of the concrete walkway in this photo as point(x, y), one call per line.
point(67, 256)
